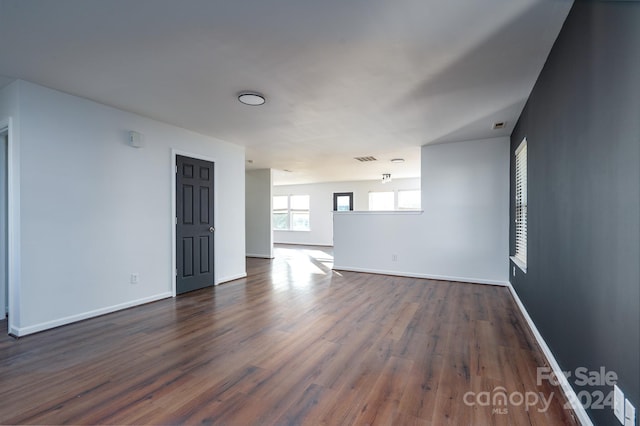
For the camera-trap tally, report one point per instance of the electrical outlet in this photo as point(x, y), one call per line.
point(629, 414)
point(135, 278)
point(618, 403)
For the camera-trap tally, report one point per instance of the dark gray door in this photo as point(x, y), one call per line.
point(194, 224)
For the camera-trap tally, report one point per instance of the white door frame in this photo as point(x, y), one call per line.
point(4, 242)
point(13, 226)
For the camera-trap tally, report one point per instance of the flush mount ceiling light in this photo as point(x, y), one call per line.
point(251, 98)
point(397, 160)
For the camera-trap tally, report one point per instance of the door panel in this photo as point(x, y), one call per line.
point(204, 205)
point(204, 254)
point(194, 224)
point(187, 204)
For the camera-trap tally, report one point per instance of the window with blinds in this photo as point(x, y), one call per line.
point(380, 201)
point(291, 213)
point(521, 203)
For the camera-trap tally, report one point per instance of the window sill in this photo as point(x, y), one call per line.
point(378, 212)
point(519, 263)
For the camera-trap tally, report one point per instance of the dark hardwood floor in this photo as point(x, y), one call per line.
point(294, 343)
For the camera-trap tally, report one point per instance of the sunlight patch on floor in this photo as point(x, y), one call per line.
point(297, 267)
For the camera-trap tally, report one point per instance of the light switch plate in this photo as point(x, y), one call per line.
point(618, 403)
point(629, 414)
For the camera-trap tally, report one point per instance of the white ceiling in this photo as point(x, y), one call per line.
point(342, 78)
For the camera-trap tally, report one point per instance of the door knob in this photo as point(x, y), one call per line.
point(212, 229)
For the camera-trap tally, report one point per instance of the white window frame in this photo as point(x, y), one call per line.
point(520, 256)
point(393, 193)
point(280, 211)
point(290, 211)
point(396, 200)
point(408, 190)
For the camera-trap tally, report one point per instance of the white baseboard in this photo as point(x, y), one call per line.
point(569, 393)
point(259, 256)
point(231, 278)
point(304, 244)
point(23, 331)
point(425, 276)
point(14, 331)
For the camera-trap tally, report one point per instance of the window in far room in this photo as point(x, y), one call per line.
point(381, 201)
point(299, 208)
point(409, 199)
point(291, 213)
point(403, 199)
point(342, 201)
point(520, 257)
point(281, 212)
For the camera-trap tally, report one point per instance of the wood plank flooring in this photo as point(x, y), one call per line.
point(294, 343)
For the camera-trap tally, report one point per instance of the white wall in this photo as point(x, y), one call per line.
point(259, 233)
point(463, 234)
point(321, 206)
point(94, 210)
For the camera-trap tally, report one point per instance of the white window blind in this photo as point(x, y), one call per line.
point(281, 212)
point(299, 207)
point(521, 203)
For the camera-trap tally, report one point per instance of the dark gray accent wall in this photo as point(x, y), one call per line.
point(582, 124)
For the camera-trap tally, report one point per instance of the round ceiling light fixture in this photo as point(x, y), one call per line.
point(251, 98)
point(397, 160)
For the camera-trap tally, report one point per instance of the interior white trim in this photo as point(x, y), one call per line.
point(518, 263)
point(425, 276)
point(174, 153)
point(378, 212)
point(13, 225)
point(259, 256)
point(19, 332)
point(569, 393)
point(4, 240)
point(301, 244)
point(231, 278)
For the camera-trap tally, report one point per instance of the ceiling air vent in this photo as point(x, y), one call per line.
point(499, 125)
point(365, 159)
